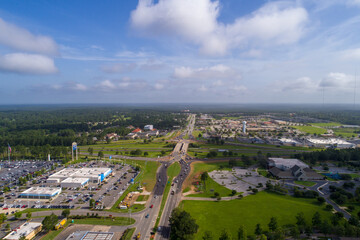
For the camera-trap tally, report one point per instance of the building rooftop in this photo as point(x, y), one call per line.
point(24, 229)
point(330, 141)
point(75, 180)
point(41, 191)
point(288, 162)
point(82, 235)
point(79, 172)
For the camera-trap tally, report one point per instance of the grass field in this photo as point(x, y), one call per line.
point(142, 198)
point(117, 221)
point(151, 153)
point(346, 132)
point(263, 172)
point(210, 188)
point(305, 183)
point(329, 125)
point(173, 170)
point(129, 234)
point(52, 234)
point(311, 129)
point(147, 177)
point(199, 167)
point(259, 208)
point(196, 133)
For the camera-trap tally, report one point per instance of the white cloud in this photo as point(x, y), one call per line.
point(203, 88)
point(107, 85)
point(338, 81)
point(96, 47)
point(197, 22)
point(159, 86)
point(351, 53)
point(238, 88)
point(21, 39)
point(215, 72)
point(80, 87)
point(118, 67)
point(353, 2)
point(300, 84)
point(130, 54)
point(27, 64)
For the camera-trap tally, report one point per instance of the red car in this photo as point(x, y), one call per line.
point(5, 208)
point(152, 205)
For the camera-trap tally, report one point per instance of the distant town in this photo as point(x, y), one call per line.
point(140, 176)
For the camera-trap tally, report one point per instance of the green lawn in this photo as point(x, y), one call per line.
point(126, 144)
point(263, 172)
point(210, 187)
point(305, 183)
point(129, 234)
point(330, 124)
point(147, 177)
point(196, 133)
point(151, 153)
point(117, 221)
point(346, 132)
point(142, 198)
point(311, 129)
point(200, 167)
point(173, 170)
point(52, 234)
point(259, 208)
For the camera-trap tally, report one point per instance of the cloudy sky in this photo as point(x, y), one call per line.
point(200, 51)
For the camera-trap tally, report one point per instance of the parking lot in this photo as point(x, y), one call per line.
point(10, 172)
point(239, 179)
point(105, 194)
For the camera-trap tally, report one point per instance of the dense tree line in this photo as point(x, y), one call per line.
point(60, 126)
point(350, 155)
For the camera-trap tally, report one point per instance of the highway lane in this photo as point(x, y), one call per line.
point(146, 223)
point(173, 201)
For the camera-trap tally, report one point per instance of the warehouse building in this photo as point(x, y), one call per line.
point(74, 182)
point(40, 193)
point(95, 175)
point(28, 230)
point(83, 235)
point(329, 142)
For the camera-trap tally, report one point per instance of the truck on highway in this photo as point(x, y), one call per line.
point(138, 236)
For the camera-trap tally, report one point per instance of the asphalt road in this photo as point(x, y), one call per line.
point(172, 201)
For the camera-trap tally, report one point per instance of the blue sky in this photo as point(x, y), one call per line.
point(131, 51)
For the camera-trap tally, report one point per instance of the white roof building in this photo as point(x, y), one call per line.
point(329, 142)
point(28, 229)
point(284, 164)
point(74, 182)
point(148, 127)
point(96, 175)
point(40, 192)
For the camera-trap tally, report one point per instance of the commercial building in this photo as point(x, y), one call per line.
point(74, 182)
point(296, 173)
point(28, 229)
point(289, 142)
point(329, 142)
point(95, 175)
point(83, 235)
point(40, 193)
point(285, 164)
point(149, 127)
